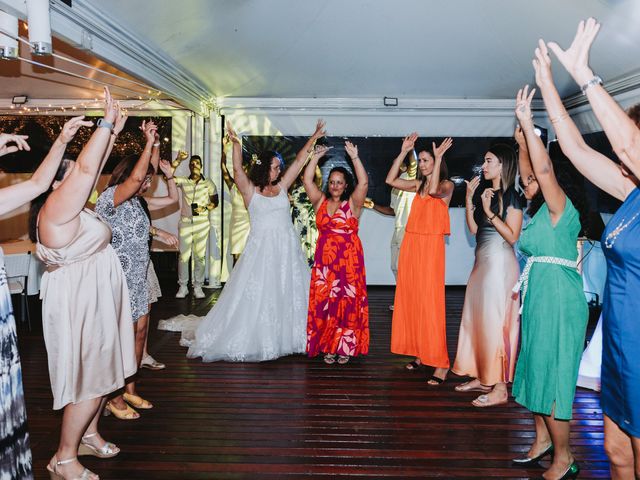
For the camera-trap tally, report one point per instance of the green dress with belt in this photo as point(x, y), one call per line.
point(554, 317)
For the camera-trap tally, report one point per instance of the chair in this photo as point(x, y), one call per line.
point(17, 266)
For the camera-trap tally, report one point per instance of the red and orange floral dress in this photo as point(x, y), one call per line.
point(338, 318)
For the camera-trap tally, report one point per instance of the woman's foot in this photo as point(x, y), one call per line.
point(537, 452)
point(558, 471)
point(342, 359)
point(438, 377)
point(413, 365)
point(497, 396)
point(472, 386)
point(151, 363)
point(68, 469)
point(124, 413)
point(137, 401)
point(94, 444)
point(329, 358)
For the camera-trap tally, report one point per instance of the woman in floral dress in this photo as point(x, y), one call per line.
point(338, 319)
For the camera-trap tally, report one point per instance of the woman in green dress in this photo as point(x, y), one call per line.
point(554, 309)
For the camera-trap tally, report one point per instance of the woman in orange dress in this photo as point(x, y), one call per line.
point(419, 328)
point(338, 318)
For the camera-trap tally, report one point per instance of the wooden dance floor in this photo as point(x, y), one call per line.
point(296, 418)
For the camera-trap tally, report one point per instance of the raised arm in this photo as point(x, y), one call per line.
point(118, 125)
point(305, 152)
point(621, 131)
point(226, 175)
point(554, 196)
point(524, 162)
point(131, 185)
point(360, 192)
point(472, 186)
point(17, 195)
point(597, 168)
point(245, 186)
point(155, 151)
point(308, 177)
point(65, 203)
point(156, 203)
point(393, 177)
point(440, 189)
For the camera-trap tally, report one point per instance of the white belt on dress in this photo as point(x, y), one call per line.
point(523, 281)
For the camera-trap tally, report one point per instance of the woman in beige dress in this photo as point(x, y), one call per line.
point(86, 317)
point(489, 329)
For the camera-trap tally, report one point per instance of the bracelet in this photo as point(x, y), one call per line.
point(168, 178)
point(156, 144)
point(491, 219)
point(596, 80)
point(153, 231)
point(559, 118)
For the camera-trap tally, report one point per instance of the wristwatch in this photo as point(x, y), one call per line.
point(102, 123)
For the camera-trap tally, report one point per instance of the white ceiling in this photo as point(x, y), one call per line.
point(373, 48)
point(413, 49)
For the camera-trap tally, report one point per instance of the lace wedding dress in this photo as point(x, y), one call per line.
point(261, 313)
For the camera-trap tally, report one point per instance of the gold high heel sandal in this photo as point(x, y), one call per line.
point(124, 414)
point(108, 450)
point(137, 401)
point(54, 475)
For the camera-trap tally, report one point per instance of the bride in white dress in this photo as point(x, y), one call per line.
point(262, 312)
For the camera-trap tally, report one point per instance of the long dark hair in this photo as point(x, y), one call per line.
point(509, 160)
point(124, 168)
point(38, 202)
point(259, 173)
point(444, 171)
point(348, 179)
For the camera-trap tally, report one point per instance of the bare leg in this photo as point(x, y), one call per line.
point(497, 396)
point(619, 449)
point(145, 353)
point(141, 328)
point(635, 444)
point(543, 438)
point(563, 458)
point(75, 420)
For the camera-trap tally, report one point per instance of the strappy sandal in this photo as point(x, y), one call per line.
point(434, 381)
point(343, 359)
point(483, 401)
point(108, 450)
point(466, 387)
point(413, 365)
point(54, 475)
point(121, 414)
point(329, 358)
point(137, 401)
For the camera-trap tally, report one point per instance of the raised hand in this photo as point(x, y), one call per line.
point(486, 197)
point(351, 149)
point(71, 127)
point(472, 185)
point(440, 150)
point(149, 128)
point(523, 104)
point(19, 143)
point(576, 58)
point(165, 167)
point(111, 107)
point(320, 129)
point(320, 151)
point(542, 65)
point(233, 136)
point(409, 142)
point(121, 119)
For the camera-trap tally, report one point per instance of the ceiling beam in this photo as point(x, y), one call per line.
point(86, 27)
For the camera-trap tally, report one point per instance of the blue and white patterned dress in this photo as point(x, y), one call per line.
point(130, 239)
point(15, 454)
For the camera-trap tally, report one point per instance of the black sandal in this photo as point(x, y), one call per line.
point(437, 381)
point(412, 365)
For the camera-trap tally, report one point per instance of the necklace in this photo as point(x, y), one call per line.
point(611, 238)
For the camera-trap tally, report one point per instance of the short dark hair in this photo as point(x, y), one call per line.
point(259, 173)
point(348, 178)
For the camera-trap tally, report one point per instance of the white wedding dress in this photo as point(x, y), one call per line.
point(261, 313)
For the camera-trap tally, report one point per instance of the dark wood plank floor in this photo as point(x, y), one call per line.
point(296, 418)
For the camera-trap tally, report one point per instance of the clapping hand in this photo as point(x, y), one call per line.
point(351, 149)
point(149, 128)
point(71, 127)
point(409, 142)
point(440, 150)
point(320, 151)
point(486, 198)
point(165, 167)
point(19, 141)
point(472, 185)
point(576, 58)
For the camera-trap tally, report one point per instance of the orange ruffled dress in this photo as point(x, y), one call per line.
point(419, 327)
point(338, 319)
